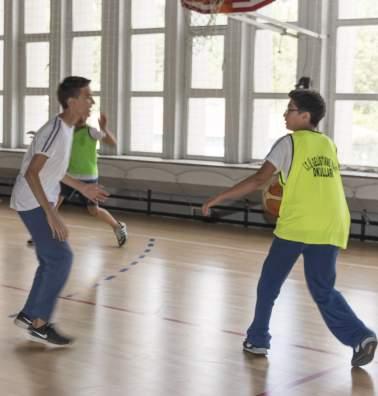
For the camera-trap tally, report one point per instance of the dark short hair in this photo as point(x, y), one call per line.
point(70, 88)
point(310, 101)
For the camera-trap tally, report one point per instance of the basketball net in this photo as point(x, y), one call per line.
point(203, 7)
point(197, 10)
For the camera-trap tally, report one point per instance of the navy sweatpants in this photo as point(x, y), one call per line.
point(320, 272)
point(55, 260)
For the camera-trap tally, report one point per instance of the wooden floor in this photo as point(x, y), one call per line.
point(166, 315)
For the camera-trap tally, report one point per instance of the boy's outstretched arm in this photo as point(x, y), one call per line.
point(109, 138)
point(92, 191)
point(245, 187)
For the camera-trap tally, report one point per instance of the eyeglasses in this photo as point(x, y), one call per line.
point(288, 110)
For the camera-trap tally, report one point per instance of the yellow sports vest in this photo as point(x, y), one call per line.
point(83, 160)
point(313, 208)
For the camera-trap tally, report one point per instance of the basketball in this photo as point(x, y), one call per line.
point(271, 198)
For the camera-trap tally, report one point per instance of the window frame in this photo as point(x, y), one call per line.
point(332, 95)
point(116, 34)
point(204, 93)
point(147, 94)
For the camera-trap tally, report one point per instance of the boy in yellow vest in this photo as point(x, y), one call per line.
point(314, 221)
point(83, 166)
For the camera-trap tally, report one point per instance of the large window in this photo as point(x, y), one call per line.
point(350, 9)
point(182, 85)
point(275, 74)
point(356, 86)
point(36, 50)
point(147, 76)
point(206, 127)
point(275, 62)
point(206, 104)
point(356, 56)
point(86, 47)
point(268, 125)
point(1, 68)
point(356, 132)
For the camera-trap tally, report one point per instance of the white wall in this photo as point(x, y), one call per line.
point(195, 178)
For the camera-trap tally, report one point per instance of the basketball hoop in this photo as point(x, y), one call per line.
point(206, 13)
point(224, 6)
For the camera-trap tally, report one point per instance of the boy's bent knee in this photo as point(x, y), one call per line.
point(65, 257)
point(324, 296)
point(93, 210)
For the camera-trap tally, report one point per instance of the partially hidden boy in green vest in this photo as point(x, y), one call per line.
point(314, 221)
point(83, 166)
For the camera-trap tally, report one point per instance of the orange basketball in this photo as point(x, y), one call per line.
point(271, 198)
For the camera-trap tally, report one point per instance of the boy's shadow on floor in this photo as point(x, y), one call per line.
point(362, 381)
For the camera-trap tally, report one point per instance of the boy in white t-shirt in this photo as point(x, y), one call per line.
point(34, 197)
point(83, 166)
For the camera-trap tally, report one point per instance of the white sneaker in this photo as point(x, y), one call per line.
point(121, 233)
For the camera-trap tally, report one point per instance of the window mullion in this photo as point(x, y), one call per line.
point(109, 65)
point(14, 70)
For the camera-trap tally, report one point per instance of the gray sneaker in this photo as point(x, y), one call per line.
point(248, 347)
point(121, 233)
point(364, 352)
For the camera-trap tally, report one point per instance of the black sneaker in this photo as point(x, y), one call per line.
point(248, 347)
point(22, 320)
point(363, 353)
point(47, 334)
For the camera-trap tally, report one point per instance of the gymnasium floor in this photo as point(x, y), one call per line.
point(166, 315)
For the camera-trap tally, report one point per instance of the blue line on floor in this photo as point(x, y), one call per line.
point(125, 269)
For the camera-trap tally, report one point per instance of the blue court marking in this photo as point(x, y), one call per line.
point(151, 244)
point(133, 263)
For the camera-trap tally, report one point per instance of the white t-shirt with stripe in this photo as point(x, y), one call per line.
point(96, 134)
point(281, 155)
point(53, 140)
